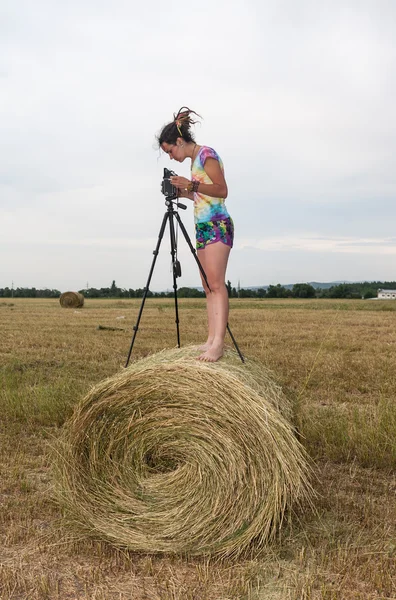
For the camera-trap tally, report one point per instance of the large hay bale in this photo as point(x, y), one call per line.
point(71, 300)
point(177, 455)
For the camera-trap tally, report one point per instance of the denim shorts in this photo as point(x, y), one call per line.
point(221, 230)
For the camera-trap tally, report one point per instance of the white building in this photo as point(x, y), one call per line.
point(386, 295)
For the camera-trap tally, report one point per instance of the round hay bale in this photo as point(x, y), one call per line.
point(181, 456)
point(71, 300)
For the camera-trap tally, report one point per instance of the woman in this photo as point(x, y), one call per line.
point(214, 228)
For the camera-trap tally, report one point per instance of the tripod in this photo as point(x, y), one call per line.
point(169, 216)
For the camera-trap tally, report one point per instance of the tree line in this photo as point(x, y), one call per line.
point(298, 290)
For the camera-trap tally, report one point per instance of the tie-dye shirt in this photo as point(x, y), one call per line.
point(206, 208)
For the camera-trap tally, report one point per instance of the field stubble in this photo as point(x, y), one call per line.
point(337, 362)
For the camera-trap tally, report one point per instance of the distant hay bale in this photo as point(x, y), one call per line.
point(174, 455)
point(71, 300)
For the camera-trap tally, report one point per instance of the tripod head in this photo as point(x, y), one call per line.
point(172, 203)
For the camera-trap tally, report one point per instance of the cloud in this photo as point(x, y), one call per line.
point(298, 99)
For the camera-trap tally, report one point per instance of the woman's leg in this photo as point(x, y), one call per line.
point(209, 304)
point(215, 258)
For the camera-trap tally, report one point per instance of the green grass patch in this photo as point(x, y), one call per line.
point(34, 397)
point(363, 434)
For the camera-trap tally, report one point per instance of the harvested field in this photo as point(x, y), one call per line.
point(336, 362)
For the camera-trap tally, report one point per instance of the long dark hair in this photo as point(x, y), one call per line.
point(179, 127)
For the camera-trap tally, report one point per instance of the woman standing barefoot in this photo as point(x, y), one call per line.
point(214, 228)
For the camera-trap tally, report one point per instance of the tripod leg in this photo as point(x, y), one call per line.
point(194, 252)
point(146, 289)
point(176, 272)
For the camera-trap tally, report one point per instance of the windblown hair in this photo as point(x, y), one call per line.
point(179, 127)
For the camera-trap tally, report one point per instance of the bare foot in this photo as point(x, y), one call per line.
point(212, 355)
point(206, 345)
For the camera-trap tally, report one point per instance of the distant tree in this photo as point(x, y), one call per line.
point(243, 293)
point(303, 290)
point(115, 292)
point(20, 292)
point(261, 293)
point(46, 293)
point(369, 294)
point(278, 291)
point(229, 289)
point(323, 293)
point(187, 292)
point(339, 291)
point(90, 293)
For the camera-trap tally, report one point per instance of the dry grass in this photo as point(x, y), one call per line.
point(71, 300)
point(179, 456)
point(50, 358)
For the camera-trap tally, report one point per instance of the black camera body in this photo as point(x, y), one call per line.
point(169, 190)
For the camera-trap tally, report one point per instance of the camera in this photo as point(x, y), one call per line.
point(169, 190)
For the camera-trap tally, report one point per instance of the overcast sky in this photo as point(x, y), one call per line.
point(297, 97)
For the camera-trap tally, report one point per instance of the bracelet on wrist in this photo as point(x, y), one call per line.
point(193, 186)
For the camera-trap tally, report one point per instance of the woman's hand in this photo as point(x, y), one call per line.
point(180, 182)
point(216, 189)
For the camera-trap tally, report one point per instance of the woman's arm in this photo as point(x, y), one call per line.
point(216, 189)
